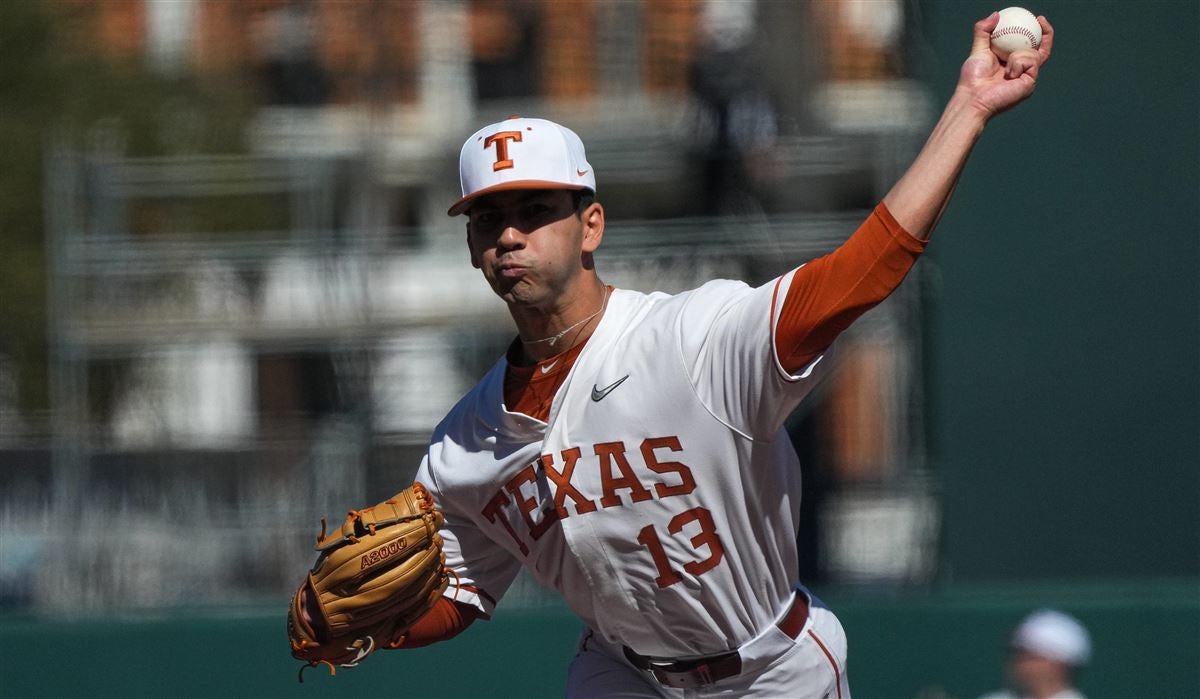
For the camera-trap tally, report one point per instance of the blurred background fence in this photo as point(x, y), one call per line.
point(231, 304)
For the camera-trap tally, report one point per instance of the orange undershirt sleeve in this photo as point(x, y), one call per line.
point(446, 620)
point(831, 292)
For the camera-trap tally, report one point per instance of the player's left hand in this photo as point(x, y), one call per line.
point(376, 575)
point(992, 86)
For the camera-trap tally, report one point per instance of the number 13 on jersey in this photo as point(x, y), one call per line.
point(706, 543)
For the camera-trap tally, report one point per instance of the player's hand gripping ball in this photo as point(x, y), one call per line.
point(373, 578)
point(1017, 30)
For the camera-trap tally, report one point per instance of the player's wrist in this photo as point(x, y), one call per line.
point(966, 107)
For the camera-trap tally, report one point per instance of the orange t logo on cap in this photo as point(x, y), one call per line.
point(501, 140)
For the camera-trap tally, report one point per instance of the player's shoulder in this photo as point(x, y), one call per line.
point(707, 292)
point(713, 298)
point(720, 287)
point(700, 305)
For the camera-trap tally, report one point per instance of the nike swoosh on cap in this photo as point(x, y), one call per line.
point(598, 394)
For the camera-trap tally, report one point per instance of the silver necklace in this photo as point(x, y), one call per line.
point(558, 336)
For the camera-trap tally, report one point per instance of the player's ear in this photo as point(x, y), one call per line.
point(592, 218)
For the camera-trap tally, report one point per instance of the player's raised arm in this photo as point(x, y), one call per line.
point(986, 87)
point(828, 294)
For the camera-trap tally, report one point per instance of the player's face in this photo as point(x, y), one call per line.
point(1028, 671)
point(529, 244)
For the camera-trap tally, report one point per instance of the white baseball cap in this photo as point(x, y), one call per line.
point(1054, 635)
point(521, 153)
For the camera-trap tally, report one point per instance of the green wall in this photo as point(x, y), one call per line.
point(947, 644)
point(1066, 322)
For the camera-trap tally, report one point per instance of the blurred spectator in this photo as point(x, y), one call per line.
point(505, 49)
point(1046, 652)
point(738, 118)
point(291, 71)
point(863, 38)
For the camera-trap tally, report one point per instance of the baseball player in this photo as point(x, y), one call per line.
point(628, 448)
point(1048, 648)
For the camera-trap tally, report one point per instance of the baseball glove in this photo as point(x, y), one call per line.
point(373, 578)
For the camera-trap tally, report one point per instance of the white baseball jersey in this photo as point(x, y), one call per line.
point(661, 497)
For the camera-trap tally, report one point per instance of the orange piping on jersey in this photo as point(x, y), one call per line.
point(837, 673)
point(831, 292)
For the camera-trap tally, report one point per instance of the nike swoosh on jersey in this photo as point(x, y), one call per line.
point(599, 393)
point(546, 369)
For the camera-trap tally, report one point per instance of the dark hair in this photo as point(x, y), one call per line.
point(583, 199)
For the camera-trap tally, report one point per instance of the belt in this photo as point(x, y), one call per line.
point(699, 672)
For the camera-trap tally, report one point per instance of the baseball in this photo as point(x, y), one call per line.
point(1018, 29)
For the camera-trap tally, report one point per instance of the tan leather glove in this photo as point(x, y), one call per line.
point(373, 578)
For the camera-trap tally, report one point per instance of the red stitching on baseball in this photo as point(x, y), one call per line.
point(1018, 30)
